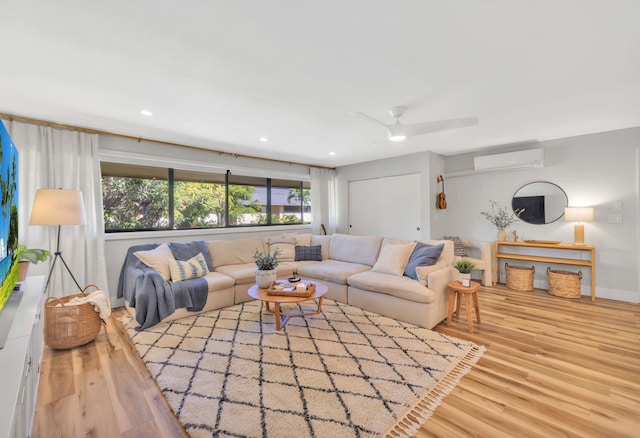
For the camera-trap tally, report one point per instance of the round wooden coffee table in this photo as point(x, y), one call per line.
point(261, 294)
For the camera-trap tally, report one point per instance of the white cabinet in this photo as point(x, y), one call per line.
point(20, 362)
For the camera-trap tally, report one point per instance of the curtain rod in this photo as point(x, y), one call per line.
point(139, 139)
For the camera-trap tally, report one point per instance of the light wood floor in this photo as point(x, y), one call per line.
point(553, 367)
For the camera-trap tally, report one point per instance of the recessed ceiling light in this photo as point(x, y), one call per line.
point(332, 153)
point(264, 139)
point(146, 113)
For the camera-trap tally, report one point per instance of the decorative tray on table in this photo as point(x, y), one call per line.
point(285, 288)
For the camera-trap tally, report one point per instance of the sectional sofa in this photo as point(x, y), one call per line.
point(364, 271)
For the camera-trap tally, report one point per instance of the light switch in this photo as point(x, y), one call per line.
point(615, 218)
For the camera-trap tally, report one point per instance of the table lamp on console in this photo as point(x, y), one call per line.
point(578, 215)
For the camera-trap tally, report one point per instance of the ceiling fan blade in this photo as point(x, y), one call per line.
point(371, 119)
point(440, 125)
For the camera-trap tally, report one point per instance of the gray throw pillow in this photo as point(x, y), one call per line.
point(422, 255)
point(187, 250)
point(309, 253)
point(458, 247)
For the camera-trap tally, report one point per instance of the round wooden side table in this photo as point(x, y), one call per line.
point(456, 290)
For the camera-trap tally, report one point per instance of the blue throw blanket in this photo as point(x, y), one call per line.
point(152, 297)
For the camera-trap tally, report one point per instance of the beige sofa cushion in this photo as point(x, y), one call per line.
point(246, 273)
point(301, 239)
point(242, 273)
point(330, 270)
point(217, 281)
point(235, 251)
point(355, 249)
point(393, 258)
point(424, 271)
point(398, 286)
point(324, 242)
point(286, 245)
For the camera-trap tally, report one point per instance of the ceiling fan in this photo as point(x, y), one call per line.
point(398, 132)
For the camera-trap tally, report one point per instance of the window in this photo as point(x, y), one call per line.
point(137, 198)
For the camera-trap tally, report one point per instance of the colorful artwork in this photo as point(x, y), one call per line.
point(8, 215)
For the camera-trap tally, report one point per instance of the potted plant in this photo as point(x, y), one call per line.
point(25, 256)
point(464, 267)
point(267, 264)
point(501, 218)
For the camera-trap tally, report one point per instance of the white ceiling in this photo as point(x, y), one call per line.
point(222, 74)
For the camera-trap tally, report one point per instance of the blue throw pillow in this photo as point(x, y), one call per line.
point(422, 255)
point(187, 250)
point(309, 253)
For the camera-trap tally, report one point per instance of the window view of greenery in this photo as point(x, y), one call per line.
point(150, 198)
point(134, 197)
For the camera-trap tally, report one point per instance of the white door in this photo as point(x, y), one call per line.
point(387, 207)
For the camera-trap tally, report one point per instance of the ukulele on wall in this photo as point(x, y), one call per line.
point(441, 202)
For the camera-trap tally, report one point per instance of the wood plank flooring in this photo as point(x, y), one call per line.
point(553, 367)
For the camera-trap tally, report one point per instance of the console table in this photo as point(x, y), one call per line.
point(563, 257)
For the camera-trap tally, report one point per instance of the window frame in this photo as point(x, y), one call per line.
point(299, 179)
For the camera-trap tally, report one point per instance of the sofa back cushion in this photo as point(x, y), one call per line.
point(447, 251)
point(355, 249)
point(235, 251)
point(324, 241)
point(286, 246)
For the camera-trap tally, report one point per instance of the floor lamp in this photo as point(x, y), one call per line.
point(58, 207)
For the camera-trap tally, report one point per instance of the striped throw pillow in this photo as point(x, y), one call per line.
point(193, 268)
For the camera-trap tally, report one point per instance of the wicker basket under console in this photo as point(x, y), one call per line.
point(519, 277)
point(565, 284)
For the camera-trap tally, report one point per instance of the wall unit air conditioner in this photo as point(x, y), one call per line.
point(527, 159)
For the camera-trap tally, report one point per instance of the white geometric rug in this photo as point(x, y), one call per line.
point(343, 373)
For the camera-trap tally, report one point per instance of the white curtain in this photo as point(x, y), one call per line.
point(60, 158)
point(323, 200)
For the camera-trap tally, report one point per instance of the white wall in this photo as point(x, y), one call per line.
point(594, 170)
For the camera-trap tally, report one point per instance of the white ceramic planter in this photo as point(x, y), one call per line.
point(465, 279)
point(265, 278)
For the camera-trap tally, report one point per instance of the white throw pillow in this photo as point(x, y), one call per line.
point(393, 258)
point(195, 267)
point(157, 259)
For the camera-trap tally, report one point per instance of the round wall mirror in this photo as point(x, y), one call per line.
point(543, 202)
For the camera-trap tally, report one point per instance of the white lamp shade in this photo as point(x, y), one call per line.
point(578, 214)
point(58, 207)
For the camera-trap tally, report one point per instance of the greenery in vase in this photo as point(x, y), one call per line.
point(464, 266)
point(500, 217)
point(266, 262)
point(33, 255)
